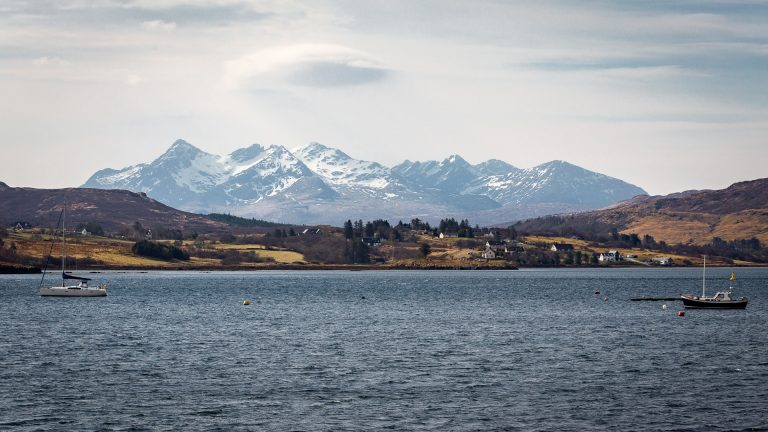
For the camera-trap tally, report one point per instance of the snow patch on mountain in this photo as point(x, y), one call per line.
point(339, 169)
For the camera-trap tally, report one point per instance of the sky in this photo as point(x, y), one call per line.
point(666, 95)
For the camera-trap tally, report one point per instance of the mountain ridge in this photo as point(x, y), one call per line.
point(320, 184)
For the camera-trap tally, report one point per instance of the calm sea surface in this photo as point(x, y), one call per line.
point(432, 350)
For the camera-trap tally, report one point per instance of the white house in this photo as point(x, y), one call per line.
point(488, 253)
point(662, 260)
point(85, 232)
point(561, 247)
point(449, 235)
point(610, 256)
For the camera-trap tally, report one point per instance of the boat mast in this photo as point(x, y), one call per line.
point(704, 278)
point(50, 251)
point(63, 244)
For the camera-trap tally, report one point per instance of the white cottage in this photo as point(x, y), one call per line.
point(489, 253)
point(610, 256)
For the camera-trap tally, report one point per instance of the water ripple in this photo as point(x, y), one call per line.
point(527, 350)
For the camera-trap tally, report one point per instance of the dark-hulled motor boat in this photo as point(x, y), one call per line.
point(721, 300)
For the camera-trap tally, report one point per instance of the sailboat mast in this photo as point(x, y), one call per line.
point(63, 244)
point(704, 278)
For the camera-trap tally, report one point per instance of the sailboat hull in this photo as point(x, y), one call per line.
point(72, 292)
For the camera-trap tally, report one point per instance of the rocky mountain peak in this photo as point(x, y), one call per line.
point(455, 159)
point(246, 153)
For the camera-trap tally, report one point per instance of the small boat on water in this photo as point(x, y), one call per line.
point(81, 289)
point(721, 300)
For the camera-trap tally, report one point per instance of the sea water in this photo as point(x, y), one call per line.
point(402, 350)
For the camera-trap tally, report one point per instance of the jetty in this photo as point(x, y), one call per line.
point(677, 298)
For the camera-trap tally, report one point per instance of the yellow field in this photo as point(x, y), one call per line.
point(117, 253)
point(280, 256)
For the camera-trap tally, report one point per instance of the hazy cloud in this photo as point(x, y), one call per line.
point(50, 61)
point(159, 25)
point(133, 80)
point(316, 65)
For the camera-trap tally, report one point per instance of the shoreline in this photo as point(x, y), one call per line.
point(15, 270)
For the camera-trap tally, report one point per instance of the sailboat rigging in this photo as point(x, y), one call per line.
point(81, 289)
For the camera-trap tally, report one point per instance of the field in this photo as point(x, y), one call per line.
point(102, 252)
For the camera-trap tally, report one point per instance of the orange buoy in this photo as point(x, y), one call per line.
point(680, 313)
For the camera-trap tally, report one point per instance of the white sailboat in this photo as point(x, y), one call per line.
point(81, 289)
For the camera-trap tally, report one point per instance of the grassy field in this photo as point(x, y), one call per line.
point(280, 256)
point(113, 253)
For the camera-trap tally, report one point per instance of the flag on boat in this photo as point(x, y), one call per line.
point(733, 276)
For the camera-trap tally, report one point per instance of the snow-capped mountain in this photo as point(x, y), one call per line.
point(180, 177)
point(346, 174)
point(451, 175)
point(553, 182)
point(188, 178)
point(256, 173)
point(319, 184)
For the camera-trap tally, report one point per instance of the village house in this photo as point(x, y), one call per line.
point(662, 260)
point(449, 235)
point(499, 247)
point(371, 241)
point(489, 253)
point(561, 247)
point(610, 256)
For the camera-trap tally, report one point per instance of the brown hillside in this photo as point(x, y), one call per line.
point(112, 209)
point(737, 212)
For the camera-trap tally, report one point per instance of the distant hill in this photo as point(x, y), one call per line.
point(692, 217)
point(112, 209)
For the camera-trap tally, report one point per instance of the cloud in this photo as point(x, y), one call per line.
point(311, 65)
point(159, 25)
point(50, 61)
point(133, 80)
